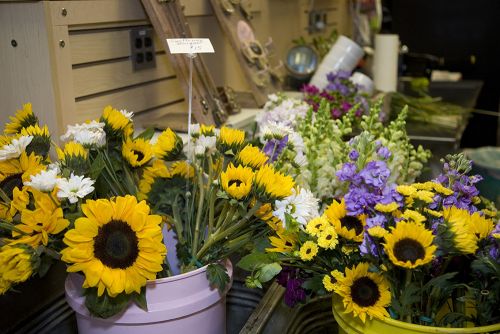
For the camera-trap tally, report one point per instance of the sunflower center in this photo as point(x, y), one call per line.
point(139, 154)
point(236, 182)
point(116, 245)
point(10, 182)
point(365, 292)
point(408, 250)
point(352, 223)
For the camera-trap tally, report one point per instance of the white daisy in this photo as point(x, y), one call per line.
point(300, 159)
point(128, 114)
point(75, 187)
point(86, 134)
point(15, 148)
point(44, 181)
point(204, 144)
point(302, 206)
point(274, 129)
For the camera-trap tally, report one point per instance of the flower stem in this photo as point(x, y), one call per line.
point(408, 276)
point(199, 212)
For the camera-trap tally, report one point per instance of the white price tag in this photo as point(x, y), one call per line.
point(190, 45)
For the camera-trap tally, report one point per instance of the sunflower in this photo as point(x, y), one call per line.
point(347, 226)
point(272, 185)
point(40, 144)
point(328, 238)
point(182, 169)
point(316, 225)
point(168, 146)
point(391, 207)
point(237, 181)
point(265, 212)
point(276, 224)
point(117, 124)
point(252, 157)
point(16, 264)
point(230, 139)
point(481, 226)
point(308, 250)
point(22, 119)
point(364, 293)
point(137, 152)
point(283, 242)
point(457, 231)
point(72, 150)
point(38, 225)
point(409, 245)
point(117, 244)
point(14, 172)
point(151, 174)
point(21, 198)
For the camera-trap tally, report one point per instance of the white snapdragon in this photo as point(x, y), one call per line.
point(301, 205)
point(86, 134)
point(15, 148)
point(44, 181)
point(75, 187)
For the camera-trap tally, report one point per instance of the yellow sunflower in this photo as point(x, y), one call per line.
point(316, 225)
point(14, 172)
point(22, 119)
point(182, 169)
point(272, 185)
point(117, 245)
point(230, 139)
point(282, 243)
point(308, 250)
point(265, 212)
point(328, 238)
point(276, 224)
point(72, 150)
point(39, 224)
point(481, 226)
point(137, 152)
point(40, 144)
point(409, 245)
point(116, 123)
point(157, 170)
point(168, 146)
point(462, 238)
point(237, 181)
point(349, 227)
point(364, 293)
point(252, 157)
point(16, 264)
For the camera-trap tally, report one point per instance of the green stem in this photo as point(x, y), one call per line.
point(199, 212)
point(212, 196)
point(408, 276)
point(178, 221)
point(222, 214)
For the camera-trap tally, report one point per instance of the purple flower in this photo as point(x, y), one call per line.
point(384, 152)
point(310, 89)
point(353, 155)
point(346, 106)
point(377, 220)
point(368, 247)
point(274, 147)
point(348, 173)
point(336, 113)
point(389, 195)
point(289, 279)
point(358, 199)
point(375, 173)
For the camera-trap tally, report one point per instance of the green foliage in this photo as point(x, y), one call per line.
point(104, 306)
point(217, 276)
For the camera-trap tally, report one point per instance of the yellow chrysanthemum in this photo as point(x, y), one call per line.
point(424, 195)
point(347, 250)
point(406, 190)
point(377, 232)
point(433, 212)
point(349, 227)
point(438, 187)
point(282, 243)
point(328, 238)
point(116, 123)
point(4, 286)
point(316, 225)
point(414, 216)
point(15, 264)
point(364, 293)
point(308, 251)
point(252, 157)
point(72, 150)
point(38, 225)
point(386, 207)
point(481, 226)
point(458, 222)
point(230, 139)
point(14, 172)
point(157, 170)
point(137, 152)
point(237, 181)
point(117, 245)
point(327, 283)
point(23, 118)
point(272, 184)
point(168, 145)
point(490, 213)
point(409, 245)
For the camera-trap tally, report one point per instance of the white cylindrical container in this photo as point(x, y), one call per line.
point(385, 62)
point(344, 55)
point(363, 81)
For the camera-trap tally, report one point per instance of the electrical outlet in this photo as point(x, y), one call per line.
point(142, 49)
point(317, 20)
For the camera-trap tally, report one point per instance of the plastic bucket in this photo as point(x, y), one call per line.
point(486, 162)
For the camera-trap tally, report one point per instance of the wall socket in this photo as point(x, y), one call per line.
point(142, 49)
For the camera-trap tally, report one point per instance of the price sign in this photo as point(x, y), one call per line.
point(190, 45)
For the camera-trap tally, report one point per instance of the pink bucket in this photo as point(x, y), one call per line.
point(179, 304)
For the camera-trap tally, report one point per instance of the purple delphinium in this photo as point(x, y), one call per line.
point(375, 173)
point(289, 279)
point(384, 152)
point(368, 246)
point(354, 155)
point(274, 147)
point(348, 172)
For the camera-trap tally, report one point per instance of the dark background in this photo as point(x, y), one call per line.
point(458, 31)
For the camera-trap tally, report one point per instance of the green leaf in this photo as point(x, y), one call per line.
point(97, 166)
point(146, 134)
point(269, 271)
point(440, 282)
point(315, 284)
point(44, 266)
point(255, 260)
point(105, 306)
point(140, 299)
point(217, 276)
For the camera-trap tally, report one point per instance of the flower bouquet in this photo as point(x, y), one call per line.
point(423, 253)
point(102, 205)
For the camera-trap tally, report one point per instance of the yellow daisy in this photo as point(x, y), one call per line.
point(433, 212)
point(308, 250)
point(328, 238)
point(377, 232)
point(409, 245)
point(424, 195)
point(168, 146)
point(230, 139)
point(347, 226)
point(364, 293)
point(316, 225)
point(413, 215)
point(22, 119)
point(272, 185)
point(386, 207)
point(438, 187)
point(458, 222)
point(282, 243)
point(14, 172)
point(252, 157)
point(406, 190)
point(137, 152)
point(117, 244)
point(237, 181)
point(116, 123)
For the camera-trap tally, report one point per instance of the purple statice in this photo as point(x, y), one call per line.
point(384, 153)
point(274, 147)
point(368, 246)
point(289, 279)
point(359, 199)
point(354, 155)
point(376, 220)
point(375, 174)
point(348, 172)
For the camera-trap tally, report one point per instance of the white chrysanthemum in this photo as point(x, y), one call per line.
point(302, 206)
point(54, 166)
point(86, 134)
point(195, 128)
point(204, 144)
point(15, 148)
point(274, 130)
point(296, 140)
point(300, 159)
point(45, 181)
point(128, 114)
point(75, 187)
